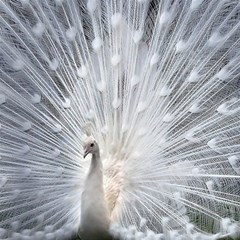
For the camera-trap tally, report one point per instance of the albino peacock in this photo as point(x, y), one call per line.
point(95, 217)
point(156, 83)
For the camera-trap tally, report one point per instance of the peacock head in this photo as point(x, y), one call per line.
point(90, 146)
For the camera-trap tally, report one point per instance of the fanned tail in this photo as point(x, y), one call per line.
point(159, 82)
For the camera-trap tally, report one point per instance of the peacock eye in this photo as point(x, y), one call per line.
point(92, 144)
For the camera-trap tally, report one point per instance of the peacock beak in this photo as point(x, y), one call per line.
point(86, 152)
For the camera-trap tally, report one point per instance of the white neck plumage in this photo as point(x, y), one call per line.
point(94, 214)
point(96, 165)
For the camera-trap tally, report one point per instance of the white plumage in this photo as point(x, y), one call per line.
point(95, 216)
point(159, 82)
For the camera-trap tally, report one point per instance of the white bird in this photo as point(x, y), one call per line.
point(95, 216)
point(158, 81)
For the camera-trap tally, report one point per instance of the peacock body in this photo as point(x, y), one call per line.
point(155, 82)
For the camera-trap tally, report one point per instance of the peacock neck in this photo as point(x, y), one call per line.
point(94, 212)
point(96, 163)
point(95, 170)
